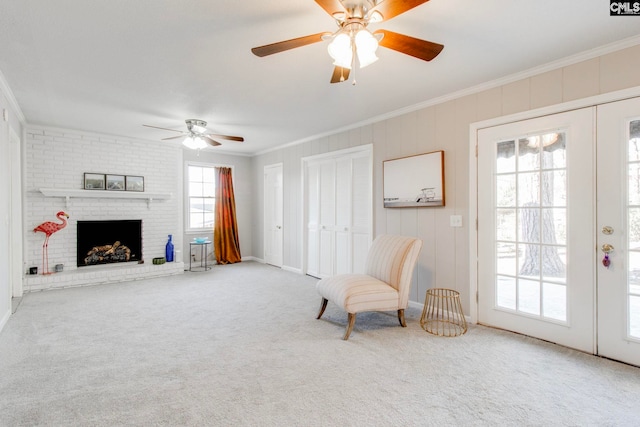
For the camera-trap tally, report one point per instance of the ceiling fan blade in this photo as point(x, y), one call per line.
point(156, 127)
point(331, 6)
point(392, 8)
point(173, 137)
point(272, 48)
point(210, 141)
point(230, 138)
point(340, 75)
point(417, 48)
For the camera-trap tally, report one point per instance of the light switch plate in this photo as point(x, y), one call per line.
point(455, 220)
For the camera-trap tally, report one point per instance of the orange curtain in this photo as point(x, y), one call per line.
point(225, 229)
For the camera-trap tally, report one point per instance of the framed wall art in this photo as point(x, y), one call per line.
point(115, 182)
point(135, 183)
point(414, 181)
point(94, 181)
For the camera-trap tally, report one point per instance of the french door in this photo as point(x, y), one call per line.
point(619, 227)
point(535, 228)
point(559, 228)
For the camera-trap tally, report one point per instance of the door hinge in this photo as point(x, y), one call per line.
point(476, 150)
point(476, 224)
point(477, 298)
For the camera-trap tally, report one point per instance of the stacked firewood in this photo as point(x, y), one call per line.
point(108, 253)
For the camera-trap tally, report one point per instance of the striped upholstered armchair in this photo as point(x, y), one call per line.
point(384, 286)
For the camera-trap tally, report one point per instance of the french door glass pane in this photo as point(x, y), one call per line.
point(531, 222)
point(554, 151)
point(506, 190)
point(505, 159)
point(529, 189)
point(506, 292)
point(529, 296)
point(506, 225)
point(554, 298)
point(634, 316)
point(634, 184)
point(554, 184)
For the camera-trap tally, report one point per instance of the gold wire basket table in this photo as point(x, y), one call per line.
point(442, 313)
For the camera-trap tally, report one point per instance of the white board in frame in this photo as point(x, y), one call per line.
point(414, 181)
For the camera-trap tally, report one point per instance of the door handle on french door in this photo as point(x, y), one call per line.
point(606, 248)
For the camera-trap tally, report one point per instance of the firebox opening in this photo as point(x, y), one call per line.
point(107, 242)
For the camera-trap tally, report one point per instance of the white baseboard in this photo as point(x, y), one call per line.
point(292, 269)
point(252, 258)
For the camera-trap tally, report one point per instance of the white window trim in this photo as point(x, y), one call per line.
point(198, 231)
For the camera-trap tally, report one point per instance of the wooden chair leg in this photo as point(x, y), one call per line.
point(401, 318)
point(323, 306)
point(352, 321)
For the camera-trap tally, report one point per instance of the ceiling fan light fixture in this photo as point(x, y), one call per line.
point(194, 142)
point(375, 17)
point(366, 46)
point(341, 51)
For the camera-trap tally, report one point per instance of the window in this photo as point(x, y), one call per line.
point(201, 193)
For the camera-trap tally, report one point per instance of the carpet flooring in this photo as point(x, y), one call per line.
point(240, 346)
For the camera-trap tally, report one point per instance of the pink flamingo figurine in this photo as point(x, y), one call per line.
point(48, 228)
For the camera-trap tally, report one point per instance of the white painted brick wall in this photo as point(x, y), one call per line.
point(58, 159)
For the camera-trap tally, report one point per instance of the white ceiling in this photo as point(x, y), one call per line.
point(111, 66)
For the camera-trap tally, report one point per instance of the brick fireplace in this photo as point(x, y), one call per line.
point(57, 159)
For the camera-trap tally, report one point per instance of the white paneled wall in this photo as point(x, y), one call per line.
point(59, 158)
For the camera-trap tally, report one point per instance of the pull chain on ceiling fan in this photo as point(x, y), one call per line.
point(354, 40)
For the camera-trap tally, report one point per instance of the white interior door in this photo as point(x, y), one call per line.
point(619, 226)
point(536, 218)
point(273, 215)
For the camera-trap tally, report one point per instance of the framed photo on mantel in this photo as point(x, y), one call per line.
point(414, 181)
point(135, 183)
point(115, 182)
point(94, 181)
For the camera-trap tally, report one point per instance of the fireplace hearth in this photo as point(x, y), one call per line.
point(109, 241)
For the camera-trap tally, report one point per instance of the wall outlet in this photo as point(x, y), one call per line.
point(455, 220)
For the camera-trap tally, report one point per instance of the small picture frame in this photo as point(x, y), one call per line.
point(94, 181)
point(135, 183)
point(115, 182)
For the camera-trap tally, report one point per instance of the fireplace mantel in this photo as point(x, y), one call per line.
point(69, 193)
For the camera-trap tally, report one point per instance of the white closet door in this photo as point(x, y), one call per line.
point(361, 216)
point(312, 189)
point(327, 217)
point(343, 216)
point(339, 213)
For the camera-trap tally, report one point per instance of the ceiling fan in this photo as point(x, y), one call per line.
point(353, 39)
point(197, 135)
